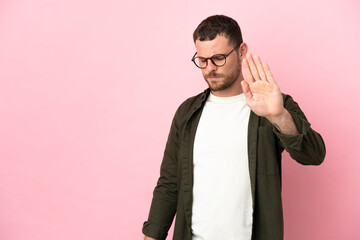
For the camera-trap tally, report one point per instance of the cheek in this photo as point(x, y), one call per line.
point(234, 67)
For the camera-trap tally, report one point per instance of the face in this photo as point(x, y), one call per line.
point(224, 77)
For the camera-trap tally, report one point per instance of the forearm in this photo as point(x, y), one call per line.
point(284, 123)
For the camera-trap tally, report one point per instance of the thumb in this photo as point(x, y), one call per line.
point(246, 89)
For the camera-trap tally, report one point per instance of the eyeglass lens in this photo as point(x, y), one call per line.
point(217, 60)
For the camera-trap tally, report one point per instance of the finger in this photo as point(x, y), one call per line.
point(246, 89)
point(247, 72)
point(260, 67)
point(252, 66)
point(268, 73)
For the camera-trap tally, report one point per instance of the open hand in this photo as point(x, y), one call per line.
point(263, 95)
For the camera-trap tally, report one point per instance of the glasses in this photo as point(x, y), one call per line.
point(218, 60)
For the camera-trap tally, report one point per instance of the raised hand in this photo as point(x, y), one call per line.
point(262, 93)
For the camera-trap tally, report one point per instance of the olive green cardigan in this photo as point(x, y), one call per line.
point(173, 193)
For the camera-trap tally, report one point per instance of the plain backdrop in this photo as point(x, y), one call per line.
point(88, 90)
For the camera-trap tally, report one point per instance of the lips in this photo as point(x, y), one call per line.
point(213, 77)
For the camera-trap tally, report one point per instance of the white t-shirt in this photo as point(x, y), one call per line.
point(222, 201)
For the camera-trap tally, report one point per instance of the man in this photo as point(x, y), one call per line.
point(221, 171)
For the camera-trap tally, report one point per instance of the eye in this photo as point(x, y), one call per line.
point(202, 60)
point(218, 57)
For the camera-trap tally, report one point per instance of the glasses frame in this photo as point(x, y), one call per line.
point(211, 59)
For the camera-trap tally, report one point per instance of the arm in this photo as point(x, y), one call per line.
point(264, 97)
point(307, 147)
point(164, 202)
point(284, 123)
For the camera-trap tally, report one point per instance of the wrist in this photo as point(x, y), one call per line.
point(279, 117)
point(284, 123)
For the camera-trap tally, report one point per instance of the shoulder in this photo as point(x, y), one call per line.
point(289, 102)
point(292, 106)
point(286, 97)
point(192, 103)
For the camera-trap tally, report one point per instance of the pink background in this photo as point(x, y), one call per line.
point(88, 90)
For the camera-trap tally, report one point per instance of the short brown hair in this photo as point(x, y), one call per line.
point(215, 25)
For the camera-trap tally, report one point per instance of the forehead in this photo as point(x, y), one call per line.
point(219, 45)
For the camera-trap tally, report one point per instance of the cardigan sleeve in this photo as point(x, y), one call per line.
point(308, 147)
point(164, 201)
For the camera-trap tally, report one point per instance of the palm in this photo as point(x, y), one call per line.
point(262, 93)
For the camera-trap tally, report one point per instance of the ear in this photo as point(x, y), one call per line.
point(243, 49)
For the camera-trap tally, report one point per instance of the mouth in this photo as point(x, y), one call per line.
point(213, 78)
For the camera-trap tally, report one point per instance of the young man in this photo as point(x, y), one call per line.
point(221, 171)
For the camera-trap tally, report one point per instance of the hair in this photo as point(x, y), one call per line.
point(215, 25)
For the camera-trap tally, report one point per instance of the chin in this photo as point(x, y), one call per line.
point(216, 88)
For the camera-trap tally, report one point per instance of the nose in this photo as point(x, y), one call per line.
point(210, 66)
